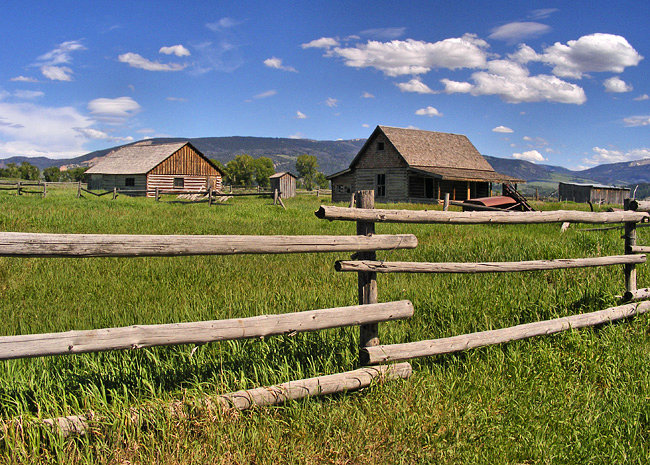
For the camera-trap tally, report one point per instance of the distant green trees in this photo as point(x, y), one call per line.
point(23, 171)
point(307, 167)
point(54, 174)
point(245, 170)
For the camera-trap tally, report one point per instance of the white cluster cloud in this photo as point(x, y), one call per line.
point(617, 85)
point(96, 134)
point(428, 111)
point(266, 94)
point(638, 120)
point(331, 102)
point(643, 97)
point(35, 130)
point(177, 50)
point(414, 85)
point(402, 57)
point(323, 42)
point(137, 61)
point(115, 110)
point(602, 155)
point(222, 24)
point(503, 129)
point(276, 63)
point(513, 32)
point(300, 115)
point(50, 62)
point(531, 155)
point(591, 53)
point(367, 95)
point(28, 94)
point(512, 82)
point(23, 79)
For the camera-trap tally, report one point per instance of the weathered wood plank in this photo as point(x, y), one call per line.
point(640, 249)
point(484, 267)
point(200, 332)
point(269, 395)
point(448, 345)
point(638, 294)
point(640, 205)
point(435, 216)
point(14, 244)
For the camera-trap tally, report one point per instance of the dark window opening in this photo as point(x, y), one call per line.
point(380, 146)
point(381, 185)
point(129, 182)
point(179, 183)
point(428, 188)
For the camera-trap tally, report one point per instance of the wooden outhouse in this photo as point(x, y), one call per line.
point(411, 165)
point(285, 183)
point(594, 193)
point(174, 168)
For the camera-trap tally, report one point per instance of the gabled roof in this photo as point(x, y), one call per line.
point(138, 158)
point(282, 173)
point(451, 156)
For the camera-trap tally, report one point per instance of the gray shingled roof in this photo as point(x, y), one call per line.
point(439, 149)
point(282, 173)
point(135, 159)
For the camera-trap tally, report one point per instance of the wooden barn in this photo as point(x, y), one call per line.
point(410, 165)
point(174, 167)
point(594, 193)
point(285, 183)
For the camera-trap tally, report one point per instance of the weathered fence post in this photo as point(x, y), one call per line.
point(445, 205)
point(114, 193)
point(368, 334)
point(210, 192)
point(352, 200)
point(318, 192)
point(18, 186)
point(275, 196)
point(630, 241)
point(157, 194)
point(79, 189)
point(280, 200)
point(44, 189)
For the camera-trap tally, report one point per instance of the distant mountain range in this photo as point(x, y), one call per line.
point(336, 155)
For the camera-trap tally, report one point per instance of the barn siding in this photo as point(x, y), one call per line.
point(343, 187)
point(374, 158)
point(108, 182)
point(166, 182)
point(186, 161)
point(286, 184)
point(396, 183)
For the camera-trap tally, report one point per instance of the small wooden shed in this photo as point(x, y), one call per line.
point(177, 167)
point(594, 193)
point(285, 183)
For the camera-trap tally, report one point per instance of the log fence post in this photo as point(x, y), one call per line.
point(114, 193)
point(369, 333)
point(78, 189)
point(275, 196)
point(157, 194)
point(44, 189)
point(630, 241)
point(210, 197)
point(445, 205)
point(18, 187)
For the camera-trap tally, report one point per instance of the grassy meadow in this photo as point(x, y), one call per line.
point(576, 397)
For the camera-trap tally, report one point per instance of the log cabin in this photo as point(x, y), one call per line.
point(173, 167)
point(411, 165)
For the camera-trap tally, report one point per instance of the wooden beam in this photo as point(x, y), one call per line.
point(640, 205)
point(199, 332)
point(269, 395)
point(409, 350)
point(639, 249)
point(630, 241)
point(485, 267)
point(432, 216)
point(367, 281)
point(14, 244)
point(638, 294)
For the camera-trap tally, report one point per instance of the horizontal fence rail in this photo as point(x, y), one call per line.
point(200, 332)
point(484, 267)
point(15, 244)
point(258, 397)
point(409, 350)
point(446, 217)
point(639, 249)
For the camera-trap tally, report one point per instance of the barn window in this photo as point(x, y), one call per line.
point(129, 182)
point(381, 185)
point(380, 146)
point(179, 183)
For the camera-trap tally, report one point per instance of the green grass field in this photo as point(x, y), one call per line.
point(576, 397)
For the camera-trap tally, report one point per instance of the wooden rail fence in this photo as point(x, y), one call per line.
point(367, 314)
point(367, 268)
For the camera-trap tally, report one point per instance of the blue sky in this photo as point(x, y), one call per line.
point(561, 83)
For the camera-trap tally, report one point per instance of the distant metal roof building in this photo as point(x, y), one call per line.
point(592, 193)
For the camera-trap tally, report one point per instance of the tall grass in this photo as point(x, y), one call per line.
point(574, 397)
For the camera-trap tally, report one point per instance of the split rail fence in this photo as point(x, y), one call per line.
point(367, 314)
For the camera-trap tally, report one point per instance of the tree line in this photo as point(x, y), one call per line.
point(29, 172)
point(245, 170)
